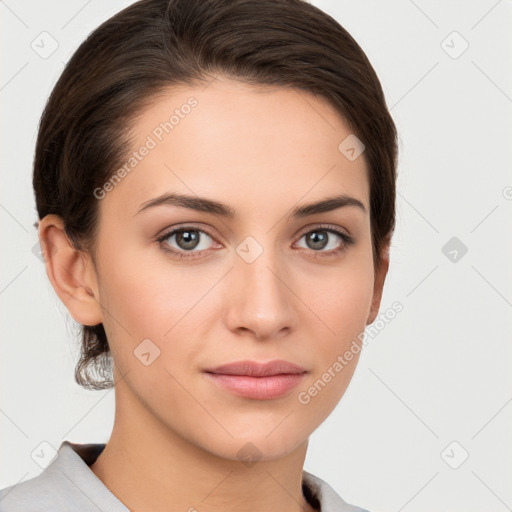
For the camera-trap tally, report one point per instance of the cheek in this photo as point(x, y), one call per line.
point(154, 311)
point(146, 292)
point(148, 297)
point(342, 295)
point(343, 304)
point(335, 354)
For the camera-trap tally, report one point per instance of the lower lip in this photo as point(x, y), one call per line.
point(258, 388)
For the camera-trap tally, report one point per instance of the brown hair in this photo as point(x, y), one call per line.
point(153, 44)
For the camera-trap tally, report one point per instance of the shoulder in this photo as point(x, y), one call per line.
point(66, 484)
point(328, 499)
point(38, 494)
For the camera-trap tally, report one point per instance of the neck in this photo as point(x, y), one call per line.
point(149, 467)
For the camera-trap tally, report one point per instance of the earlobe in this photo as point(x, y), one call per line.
point(70, 272)
point(378, 286)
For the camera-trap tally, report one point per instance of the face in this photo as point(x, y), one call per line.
point(252, 280)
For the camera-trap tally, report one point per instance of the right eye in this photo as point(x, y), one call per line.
point(186, 240)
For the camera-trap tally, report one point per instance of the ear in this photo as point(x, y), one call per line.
point(71, 272)
point(378, 285)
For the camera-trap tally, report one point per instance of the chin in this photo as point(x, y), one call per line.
point(258, 446)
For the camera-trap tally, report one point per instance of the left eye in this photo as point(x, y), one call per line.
point(328, 239)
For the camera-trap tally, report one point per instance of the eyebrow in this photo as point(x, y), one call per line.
point(203, 204)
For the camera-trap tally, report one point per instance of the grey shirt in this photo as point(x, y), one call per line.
point(68, 484)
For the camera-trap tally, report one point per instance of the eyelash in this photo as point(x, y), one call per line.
point(347, 241)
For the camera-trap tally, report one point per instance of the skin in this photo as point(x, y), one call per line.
point(263, 151)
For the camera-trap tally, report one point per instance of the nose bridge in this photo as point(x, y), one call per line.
point(260, 302)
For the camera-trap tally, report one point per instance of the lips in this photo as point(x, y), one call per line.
point(256, 369)
point(257, 381)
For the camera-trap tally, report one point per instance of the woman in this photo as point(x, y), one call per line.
point(215, 183)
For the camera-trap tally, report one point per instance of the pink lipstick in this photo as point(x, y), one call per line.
point(259, 381)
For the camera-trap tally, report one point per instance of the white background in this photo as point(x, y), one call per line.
point(439, 372)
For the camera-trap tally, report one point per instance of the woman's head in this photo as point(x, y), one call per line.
point(265, 107)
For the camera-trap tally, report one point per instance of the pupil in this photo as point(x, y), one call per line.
point(187, 239)
point(318, 241)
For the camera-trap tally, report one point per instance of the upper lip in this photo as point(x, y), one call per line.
point(256, 369)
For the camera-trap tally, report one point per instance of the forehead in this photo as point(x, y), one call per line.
point(250, 147)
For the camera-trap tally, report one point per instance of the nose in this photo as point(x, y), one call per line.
point(260, 298)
